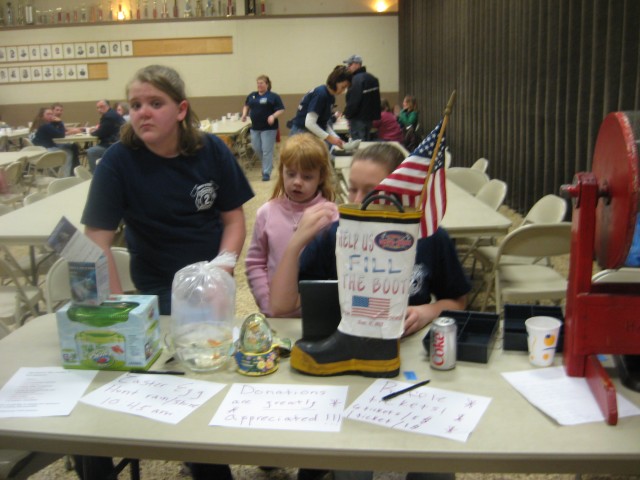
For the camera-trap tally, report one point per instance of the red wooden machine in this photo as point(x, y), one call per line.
point(604, 318)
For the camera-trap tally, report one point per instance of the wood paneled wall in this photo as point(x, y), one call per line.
point(534, 80)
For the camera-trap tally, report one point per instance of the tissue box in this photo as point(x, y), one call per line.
point(515, 333)
point(123, 333)
point(476, 335)
point(89, 281)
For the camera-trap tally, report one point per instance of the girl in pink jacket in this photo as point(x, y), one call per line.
point(305, 179)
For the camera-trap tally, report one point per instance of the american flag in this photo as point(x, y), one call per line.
point(370, 306)
point(406, 182)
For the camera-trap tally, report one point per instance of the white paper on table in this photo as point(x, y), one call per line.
point(165, 398)
point(43, 391)
point(568, 400)
point(426, 410)
point(282, 407)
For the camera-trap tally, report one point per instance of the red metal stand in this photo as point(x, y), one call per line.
point(603, 318)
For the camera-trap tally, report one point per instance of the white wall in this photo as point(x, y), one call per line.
point(297, 53)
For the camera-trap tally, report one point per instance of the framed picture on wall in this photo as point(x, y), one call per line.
point(45, 52)
point(127, 48)
point(58, 72)
point(56, 51)
point(34, 52)
point(82, 71)
point(70, 71)
point(103, 49)
point(14, 74)
point(115, 48)
point(12, 54)
point(47, 73)
point(81, 50)
point(69, 51)
point(4, 75)
point(25, 74)
point(3, 54)
point(92, 50)
point(23, 54)
point(36, 74)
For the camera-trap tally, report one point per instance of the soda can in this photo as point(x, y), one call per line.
point(442, 351)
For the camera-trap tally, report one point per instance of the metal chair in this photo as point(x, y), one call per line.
point(243, 149)
point(60, 184)
point(529, 282)
point(82, 172)
point(15, 189)
point(481, 164)
point(468, 179)
point(17, 301)
point(46, 169)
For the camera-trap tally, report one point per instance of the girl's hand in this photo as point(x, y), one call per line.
point(315, 219)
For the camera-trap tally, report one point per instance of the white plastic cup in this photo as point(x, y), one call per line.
point(542, 339)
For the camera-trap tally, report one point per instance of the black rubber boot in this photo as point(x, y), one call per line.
point(343, 354)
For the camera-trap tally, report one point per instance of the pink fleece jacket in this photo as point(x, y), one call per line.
point(275, 223)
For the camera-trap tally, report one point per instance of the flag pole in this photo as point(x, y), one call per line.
point(445, 121)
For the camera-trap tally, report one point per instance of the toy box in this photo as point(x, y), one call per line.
point(122, 333)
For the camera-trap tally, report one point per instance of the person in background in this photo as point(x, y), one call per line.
point(363, 100)
point(107, 131)
point(58, 110)
point(316, 108)
point(408, 116)
point(304, 179)
point(44, 129)
point(122, 108)
point(264, 107)
point(388, 127)
point(179, 191)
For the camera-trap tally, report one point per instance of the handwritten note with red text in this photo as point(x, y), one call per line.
point(426, 410)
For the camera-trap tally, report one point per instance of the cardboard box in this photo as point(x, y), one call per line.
point(475, 336)
point(121, 334)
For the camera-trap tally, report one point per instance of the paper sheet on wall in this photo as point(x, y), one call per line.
point(282, 407)
point(568, 400)
point(43, 391)
point(164, 398)
point(426, 410)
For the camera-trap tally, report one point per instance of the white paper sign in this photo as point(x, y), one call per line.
point(282, 407)
point(165, 398)
point(426, 410)
point(566, 399)
point(43, 391)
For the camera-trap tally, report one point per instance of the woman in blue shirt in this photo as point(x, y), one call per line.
point(264, 107)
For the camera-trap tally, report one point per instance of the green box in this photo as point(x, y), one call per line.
point(123, 333)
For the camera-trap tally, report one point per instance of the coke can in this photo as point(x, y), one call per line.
point(442, 351)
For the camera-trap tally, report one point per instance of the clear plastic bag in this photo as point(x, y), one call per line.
point(203, 298)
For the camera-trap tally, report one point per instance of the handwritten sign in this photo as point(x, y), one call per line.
point(426, 410)
point(282, 407)
point(164, 398)
point(43, 391)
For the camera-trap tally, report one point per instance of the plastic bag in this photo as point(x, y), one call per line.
point(203, 299)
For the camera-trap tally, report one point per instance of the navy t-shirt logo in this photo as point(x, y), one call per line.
point(205, 195)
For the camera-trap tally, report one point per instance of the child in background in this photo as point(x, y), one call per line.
point(408, 116)
point(305, 179)
point(388, 127)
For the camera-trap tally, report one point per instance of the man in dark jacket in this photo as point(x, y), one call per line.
point(107, 131)
point(363, 99)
